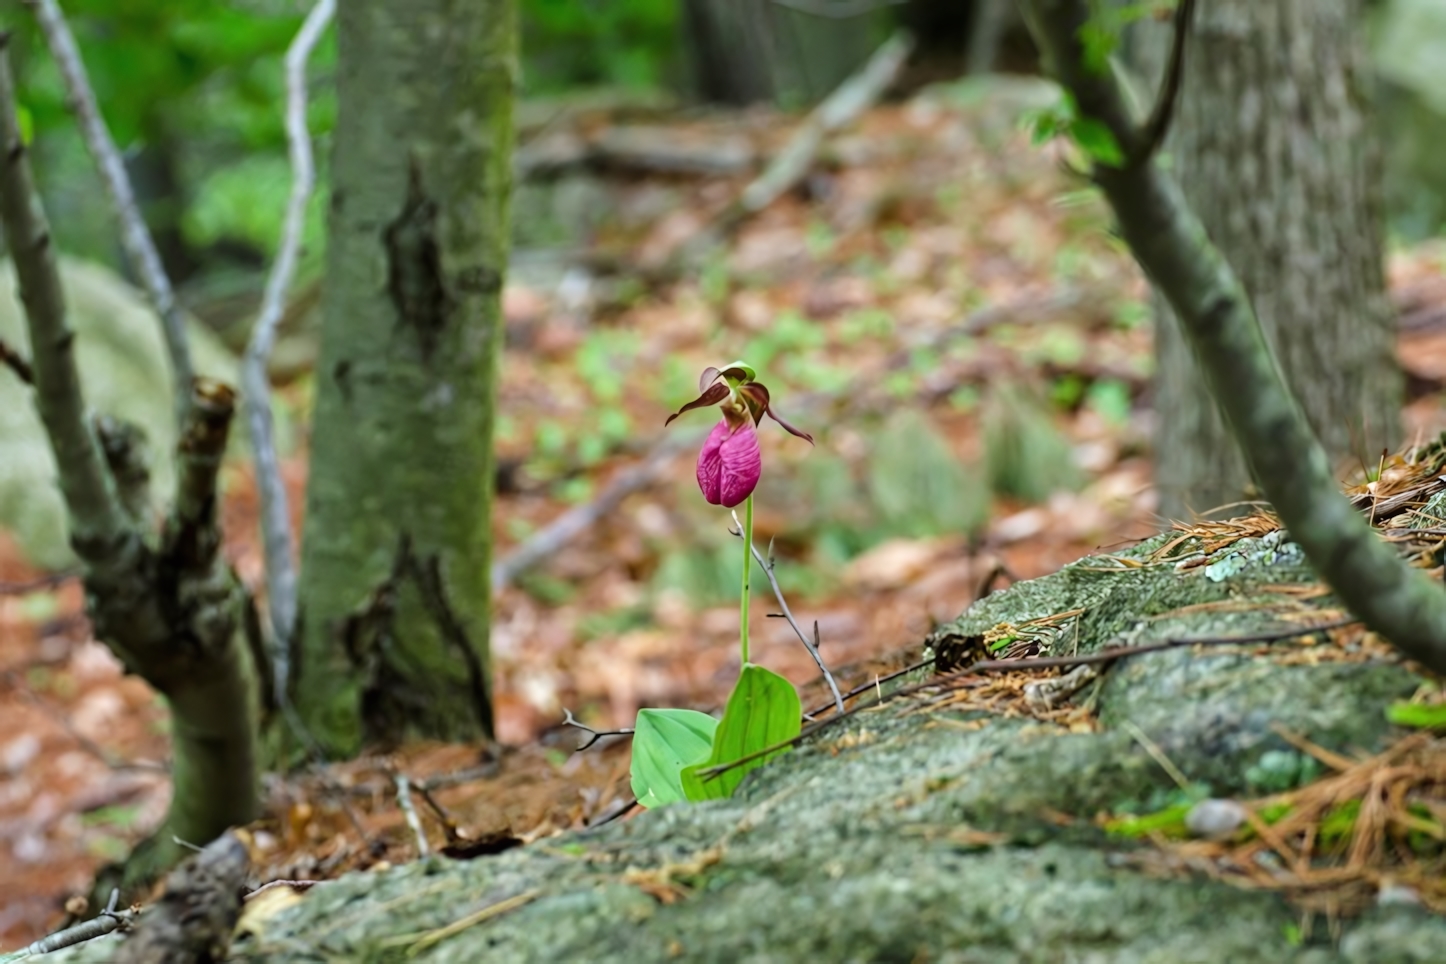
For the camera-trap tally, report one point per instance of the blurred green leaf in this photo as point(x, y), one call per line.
point(1026, 455)
point(1097, 141)
point(917, 484)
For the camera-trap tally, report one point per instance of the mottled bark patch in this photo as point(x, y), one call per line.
point(394, 694)
point(414, 266)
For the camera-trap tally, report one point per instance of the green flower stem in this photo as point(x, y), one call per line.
point(747, 571)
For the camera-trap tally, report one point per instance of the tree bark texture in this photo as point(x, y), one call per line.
point(1273, 148)
point(395, 558)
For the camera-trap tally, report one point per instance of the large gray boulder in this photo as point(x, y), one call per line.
point(943, 827)
point(126, 374)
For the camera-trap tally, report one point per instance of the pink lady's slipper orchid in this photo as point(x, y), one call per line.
point(730, 463)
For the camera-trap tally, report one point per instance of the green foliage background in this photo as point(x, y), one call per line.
point(205, 77)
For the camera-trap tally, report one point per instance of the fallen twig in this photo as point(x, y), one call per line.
point(840, 108)
point(594, 735)
point(105, 922)
point(135, 236)
point(572, 523)
point(276, 531)
point(404, 800)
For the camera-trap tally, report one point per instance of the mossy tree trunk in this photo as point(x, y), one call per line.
point(395, 557)
point(1273, 148)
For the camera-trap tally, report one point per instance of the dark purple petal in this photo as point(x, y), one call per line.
point(712, 396)
point(759, 401)
point(730, 463)
point(789, 428)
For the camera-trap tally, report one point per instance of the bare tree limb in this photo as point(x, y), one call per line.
point(99, 526)
point(135, 236)
point(276, 533)
point(105, 922)
point(1217, 319)
point(16, 362)
point(1157, 128)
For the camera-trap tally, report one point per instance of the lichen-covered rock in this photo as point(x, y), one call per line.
point(125, 374)
point(940, 833)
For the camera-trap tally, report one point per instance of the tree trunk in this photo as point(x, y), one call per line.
point(394, 585)
point(1273, 148)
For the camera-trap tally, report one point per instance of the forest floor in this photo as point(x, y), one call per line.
point(943, 465)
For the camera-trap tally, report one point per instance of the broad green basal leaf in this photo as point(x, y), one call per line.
point(763, 710)
point(664, 742)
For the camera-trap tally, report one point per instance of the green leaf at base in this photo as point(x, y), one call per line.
point(1420, 716)
point(763, 710)
point(664, 742)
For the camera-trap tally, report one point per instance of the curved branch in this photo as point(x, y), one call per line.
point(135, 236)
point(1157, 128)
point(98, 524)
point(276, 534)
point(1215, 314)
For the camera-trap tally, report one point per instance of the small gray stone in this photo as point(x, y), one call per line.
point(1214, 819)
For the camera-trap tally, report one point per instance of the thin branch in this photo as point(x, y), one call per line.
point(404, 800)
point(572, 523)
point(594, 735)
point(812, 647)
point(1157, 128)
point(135, 236)
point(99, 526)
point(276, 535)
point(105, 922)
point(14, 361)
